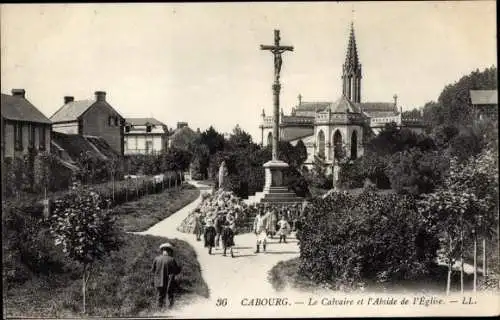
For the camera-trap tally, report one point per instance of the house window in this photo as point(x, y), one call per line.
point(32, 136)
point(127, 128)
point(18, 136)
point(116, 121)
point(149, 146)
point(41, 144)
point(110, 121)
point(148, 128)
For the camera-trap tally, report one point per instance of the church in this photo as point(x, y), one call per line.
point(328, 128)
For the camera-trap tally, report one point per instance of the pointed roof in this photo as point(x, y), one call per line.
point(72, 111)
point(20, 109)
point(351, 58)
point(342, 104)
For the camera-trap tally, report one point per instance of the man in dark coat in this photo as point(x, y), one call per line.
point(164, 270)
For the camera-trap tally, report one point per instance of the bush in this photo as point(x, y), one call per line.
point(347, 240)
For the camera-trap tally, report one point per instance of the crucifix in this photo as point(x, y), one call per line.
point(277, 50)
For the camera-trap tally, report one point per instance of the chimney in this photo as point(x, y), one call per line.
point(395, 100)
point(100, 95)
point(21, 93)
point(300, 99)
point(68, 99)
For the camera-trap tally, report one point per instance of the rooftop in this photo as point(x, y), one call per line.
point(20, 109)
point(479, 97)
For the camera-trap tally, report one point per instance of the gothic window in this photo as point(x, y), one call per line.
point(354, 145)
point(321, 144)
point(337, 144)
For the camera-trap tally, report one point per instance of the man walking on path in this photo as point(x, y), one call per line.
point(164, 270)
point(260, 230)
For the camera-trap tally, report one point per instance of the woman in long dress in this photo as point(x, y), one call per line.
point(271, 223)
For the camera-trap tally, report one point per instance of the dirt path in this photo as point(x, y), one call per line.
point(245, 275)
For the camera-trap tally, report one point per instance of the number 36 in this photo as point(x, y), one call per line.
point(221, 302)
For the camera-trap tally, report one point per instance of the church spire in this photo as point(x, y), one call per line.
point(351, 77)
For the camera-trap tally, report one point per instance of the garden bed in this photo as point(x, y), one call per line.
point(139, 215)
point(119, 286)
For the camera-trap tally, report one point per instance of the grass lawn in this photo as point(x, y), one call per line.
point(139, 215)
point(285, 273)
point(120, 285)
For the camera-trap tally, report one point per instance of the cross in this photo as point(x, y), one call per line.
point(277, 50)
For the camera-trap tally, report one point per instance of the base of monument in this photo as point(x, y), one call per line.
point(275, 190)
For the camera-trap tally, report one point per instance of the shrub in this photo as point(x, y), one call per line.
point(347, 240)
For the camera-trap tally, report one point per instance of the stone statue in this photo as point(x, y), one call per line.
point(222, 174)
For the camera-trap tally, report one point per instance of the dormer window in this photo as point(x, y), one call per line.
point(148, 128)
point(127, 128)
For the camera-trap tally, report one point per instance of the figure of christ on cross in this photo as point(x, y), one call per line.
point(276, 50)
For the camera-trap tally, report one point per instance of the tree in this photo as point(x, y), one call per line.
point(84, 227)
point(415, 171)
point(301, 150)
point(213, 139)
point(240, 138)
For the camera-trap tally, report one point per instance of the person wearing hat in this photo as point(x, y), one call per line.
point(209, 234)
point(164, 269)
point(227, 235)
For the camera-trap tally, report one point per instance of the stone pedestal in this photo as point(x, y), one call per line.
point(275, 188)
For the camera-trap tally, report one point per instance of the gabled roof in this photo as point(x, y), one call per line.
point(342, 104)
point(313, 106)
point(71, 111)
point(20, 109)
point(478, 97)
point(143, 121)
point(74, 145)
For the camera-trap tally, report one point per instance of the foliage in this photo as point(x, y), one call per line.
point(415, 171)
point(213, 140)
point(347, 240)
point(84, 227)
point(301, 150)
point(453, 105)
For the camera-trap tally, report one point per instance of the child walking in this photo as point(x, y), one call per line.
point(283, 229)
point(209, 235)
point(228, 236)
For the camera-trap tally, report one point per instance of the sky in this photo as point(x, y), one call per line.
point(201, 63)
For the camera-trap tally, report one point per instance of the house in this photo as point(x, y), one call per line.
point(93, 117)
point(484, 103)
point(23, 126)
point(144, 136)
point(181, 137)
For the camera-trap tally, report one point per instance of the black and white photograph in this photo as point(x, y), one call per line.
point(249, 160)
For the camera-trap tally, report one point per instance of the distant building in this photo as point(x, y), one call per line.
point(182, 136)
point(484, 103)
point(144, 136)
point(94, 117)
point(343, 126)
point(23, 126)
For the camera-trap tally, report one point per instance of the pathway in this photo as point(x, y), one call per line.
point(245, 275)
point(242, 277)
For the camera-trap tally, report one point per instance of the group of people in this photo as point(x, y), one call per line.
point(267, 224)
